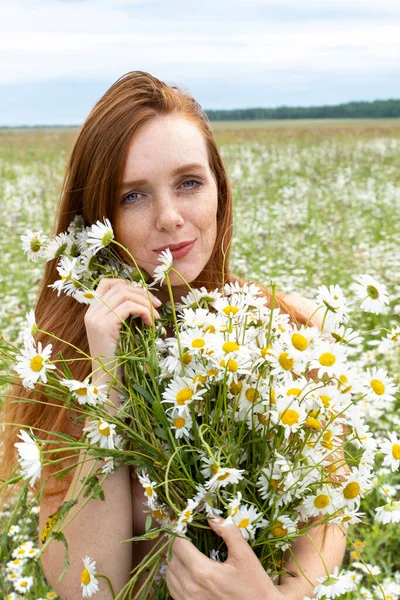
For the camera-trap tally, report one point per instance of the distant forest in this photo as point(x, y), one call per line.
point(379, 109)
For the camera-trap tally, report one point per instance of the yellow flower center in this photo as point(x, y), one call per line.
point(396, 451)
point(209, 329)
point(187, 516)
point(179, 422)
point(148, 490)
point(214, 469)
point(23, 583)
point(326, 400)
point(85, 577)
point(223, 476)
point(351, 490)
point(230, 310)
point(212, 372)
point(234, 511)
point(244, 523)
point(230, 347)
point(262, 419)
point(235, 388)
point(299, 341)
point(377, 386)
point(81, 391)
point(327, 359)
point(285, 361)
point(158, 514)
point(232, 365)
point(199, 378)
point(186, 357)
point(281, 328)
point(272, 396)
point(265, 351)
point(103, 430)
point(321, 501)
point(293, 392)
point(289, 417)
point(313, 423)
point(252, 394)
point(198, 343)
point(88, 295)
point(278, 530)
point(36, 363)
point(184, 396)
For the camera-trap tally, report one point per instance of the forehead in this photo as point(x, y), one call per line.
point(164, 144)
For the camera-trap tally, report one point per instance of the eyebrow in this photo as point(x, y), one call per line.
point(182, 169)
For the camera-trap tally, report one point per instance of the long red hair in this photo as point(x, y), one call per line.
point(90, 188)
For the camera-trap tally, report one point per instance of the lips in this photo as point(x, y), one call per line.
point(175, 246)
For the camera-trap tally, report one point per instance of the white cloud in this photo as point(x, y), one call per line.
point(102, 40)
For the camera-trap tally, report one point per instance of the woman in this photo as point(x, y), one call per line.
point(146, 159)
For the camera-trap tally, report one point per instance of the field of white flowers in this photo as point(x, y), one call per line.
point(312, 206)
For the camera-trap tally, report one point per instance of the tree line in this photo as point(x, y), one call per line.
point(384, 109)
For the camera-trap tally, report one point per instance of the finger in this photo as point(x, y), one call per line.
point(106, 285)
point(174, 586)
point(188, 554)
point(129, 308)
point(123, 287)
point(237, 546)
point(111, 301)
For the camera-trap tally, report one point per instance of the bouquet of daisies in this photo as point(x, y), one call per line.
point(240, 413)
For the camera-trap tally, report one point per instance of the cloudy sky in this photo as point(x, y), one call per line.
point(57, 57)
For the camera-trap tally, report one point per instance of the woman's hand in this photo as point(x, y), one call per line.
point(193, 576)
point(103, 319)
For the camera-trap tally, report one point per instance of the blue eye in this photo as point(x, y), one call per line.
point(126, 198)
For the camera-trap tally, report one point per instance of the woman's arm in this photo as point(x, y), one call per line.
point(307, 566)
point(96, 531)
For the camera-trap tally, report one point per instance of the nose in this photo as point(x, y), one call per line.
point(168, 213)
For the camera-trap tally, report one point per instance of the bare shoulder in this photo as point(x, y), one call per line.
point(305, 307)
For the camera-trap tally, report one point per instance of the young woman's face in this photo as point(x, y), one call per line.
point(159, 207)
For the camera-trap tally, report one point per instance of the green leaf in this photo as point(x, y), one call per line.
point(147, 524)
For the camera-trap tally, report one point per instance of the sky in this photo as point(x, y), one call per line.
point(57, 57)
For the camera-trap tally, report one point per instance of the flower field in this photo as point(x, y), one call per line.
point(314, 205)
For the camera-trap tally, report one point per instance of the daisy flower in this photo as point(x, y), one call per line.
point(165, 258)
point(328, 359)
point(181, 392)
point(23, 584)
point(33, 364)
point(148, 488)
point(67, 268)
point(29, 457)
point(391, 449)
point(248, 519)
point(282, 527)
point(30, 328)
point(14, 531)
point(321, 502)
point(185, 517)
point(33, 244)
point(389, 513)
point(85, 296)
point(181, 422)
point(101, 432)
point(333, 299)
point(333, 585)
point(223, 477)
point(379, 384)
point(57, 246)
point(100, 235)
point(374, 295)
point(84, 392)
point(89, 583)
point(290, 414)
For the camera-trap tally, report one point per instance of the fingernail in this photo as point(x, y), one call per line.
point(158, 302)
